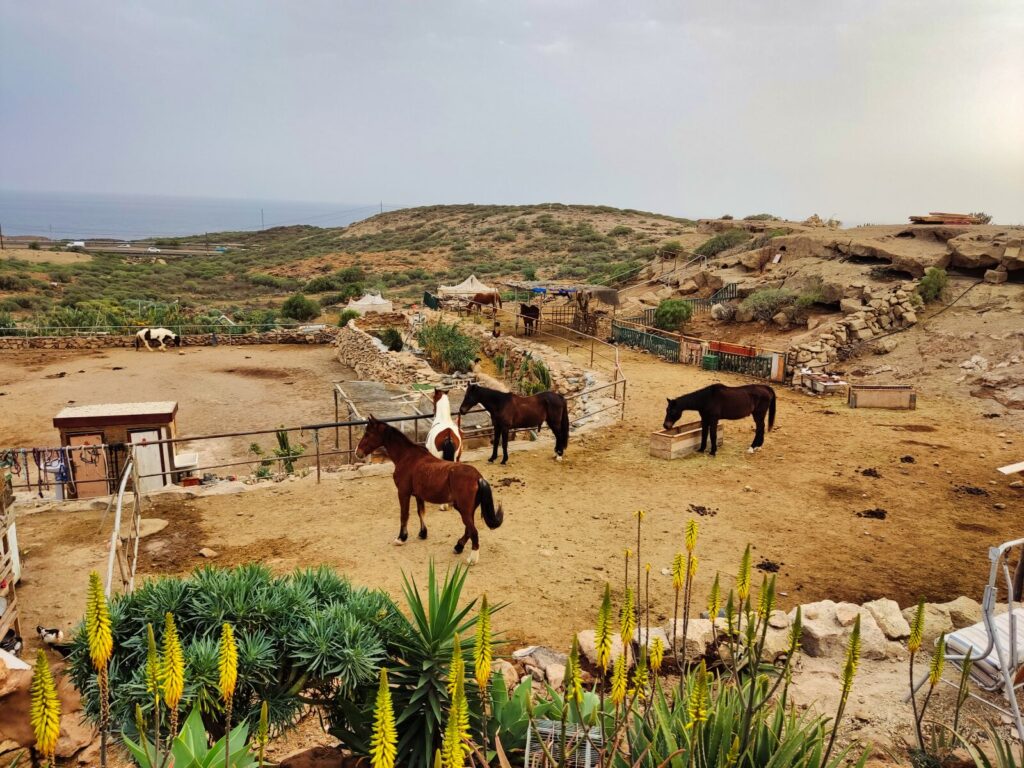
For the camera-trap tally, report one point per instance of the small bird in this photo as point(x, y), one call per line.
point(50, 636)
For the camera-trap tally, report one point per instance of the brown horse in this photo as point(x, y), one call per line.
point(510, 411)
point(721, 402)
point(418, 474)
point(480, 300)
point(530, 315)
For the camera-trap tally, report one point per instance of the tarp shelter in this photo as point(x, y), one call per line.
point(370, 302)
point(468, 287)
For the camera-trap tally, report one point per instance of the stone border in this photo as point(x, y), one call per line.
point(324, 336)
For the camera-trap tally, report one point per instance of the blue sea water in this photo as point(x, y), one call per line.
point(60, 215)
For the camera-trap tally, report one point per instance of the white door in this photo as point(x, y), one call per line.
point(147, 457)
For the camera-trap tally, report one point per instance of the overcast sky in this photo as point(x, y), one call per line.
point(869, 110)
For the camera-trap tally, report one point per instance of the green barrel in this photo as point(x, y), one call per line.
point(710, 363)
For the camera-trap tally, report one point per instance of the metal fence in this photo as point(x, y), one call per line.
point(634, 335)
point(182, 329)
point(758, 366)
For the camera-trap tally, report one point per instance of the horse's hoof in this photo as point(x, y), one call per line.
point(474, 556)
point(444, 507)
point(399, 541)
point(458, 548)
point(751, 450)
point(492, 459)
point(558, 457)
point(423, 533)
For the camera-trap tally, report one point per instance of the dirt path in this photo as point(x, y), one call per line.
point(567, 525)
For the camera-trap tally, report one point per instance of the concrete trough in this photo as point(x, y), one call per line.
point(681, 440)
point(898, 397)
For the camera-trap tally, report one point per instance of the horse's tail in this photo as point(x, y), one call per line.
point(138, 341)
point(562, 439)
point(771, 410)
point(448, 448)
point(485, 500)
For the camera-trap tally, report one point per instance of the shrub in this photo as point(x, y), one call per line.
point(298, 307)
point(672, 314)
point(391, 338)
point(307, 635)
point(985, 218)
point(620, 231)
point(768, 302)
point(722, 242)
point(345, 316)
point(726, 217)
point(447, 347)
point(760, 217)
point(529, 273)
point(932, 286)
point(7, 324)
point(671, 248)
point(33, 246)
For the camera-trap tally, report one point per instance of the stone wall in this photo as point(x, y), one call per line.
point(880, 315)
point(325, 336)
point(364, 355)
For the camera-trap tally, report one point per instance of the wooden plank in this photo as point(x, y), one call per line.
point(1012, 469)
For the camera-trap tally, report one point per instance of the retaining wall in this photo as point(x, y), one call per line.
point(326, 336)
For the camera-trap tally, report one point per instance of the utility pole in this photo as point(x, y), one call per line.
point(382, 206)
point(1, 237)
point(261, 219)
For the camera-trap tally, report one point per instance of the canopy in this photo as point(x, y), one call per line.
point(468, 287)
point(370, 302)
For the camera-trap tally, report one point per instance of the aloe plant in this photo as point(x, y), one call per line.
point(191, 748)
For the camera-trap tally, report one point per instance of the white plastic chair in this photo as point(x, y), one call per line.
point(996, 643)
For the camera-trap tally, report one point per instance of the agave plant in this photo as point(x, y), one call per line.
point(303, 638)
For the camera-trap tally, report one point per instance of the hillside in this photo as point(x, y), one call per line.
point(401, 252)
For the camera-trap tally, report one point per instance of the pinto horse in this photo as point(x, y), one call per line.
point(510, 411)
point(444, 440)
point(721, 402)
point(480, 300)
point(418, 474)
point(530, 315)
point(163, 336)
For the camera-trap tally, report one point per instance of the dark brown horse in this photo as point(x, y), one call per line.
point(420, 475)
point(721, 402)
point(510, 411)
point(530, 315)
point(480, 300)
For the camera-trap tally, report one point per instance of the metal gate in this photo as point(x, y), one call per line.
point(635, 337)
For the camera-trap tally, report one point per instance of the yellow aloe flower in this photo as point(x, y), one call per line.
point(172, 665)
point(743, 577)
point(263, 729)
point(152, 665)
point(454, 747)
point(714, 600)
point(852, 658)
point(640, 676)
point(691, 535)
point(603, 633)
point(697, 704)
point(44, 711)
point(916, 629)
point(766, 598)
point(678, 571)
point(227, 661)
point(938, 661)
point(457, 669)
point(657, 654)
point(482, 650)
point(639, 514)
point(97, 623)
point(573, 684)
point(618, 694)
point(796, 630)
point(384, 741)
point(627, 619)
point(693, 566)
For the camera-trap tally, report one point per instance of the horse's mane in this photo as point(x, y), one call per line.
point(388, 429)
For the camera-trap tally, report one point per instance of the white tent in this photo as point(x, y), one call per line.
point(370, 302)
point(468, 287)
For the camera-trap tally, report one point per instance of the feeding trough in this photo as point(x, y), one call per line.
point(899, 397)
point(681, 440)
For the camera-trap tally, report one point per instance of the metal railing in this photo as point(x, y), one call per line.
point(182, 329)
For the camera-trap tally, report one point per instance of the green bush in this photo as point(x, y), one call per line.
point(298, 307)
point(671, 248)
point(768, 302)
point(620, 231)
point(391, 338)
point(672, 314)
point(7, 324)
point(307, 635)
point(722, 242)
point(529, 273)
point(447, 347)
point(761, 217)
point(345, 316)
point(33, 246)
point(933, 285)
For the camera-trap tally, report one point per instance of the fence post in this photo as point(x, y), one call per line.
point(336, 419)
point(316, 442)
point(591, 353)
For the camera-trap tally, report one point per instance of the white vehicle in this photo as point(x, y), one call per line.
point(151, 249)
point(75, 244)
point(125, 245)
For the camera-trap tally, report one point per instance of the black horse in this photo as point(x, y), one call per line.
point(510, 411)
point(721, 402)
point(530, 315)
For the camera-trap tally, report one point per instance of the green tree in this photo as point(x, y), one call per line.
point(300, 308)
point(672, 314)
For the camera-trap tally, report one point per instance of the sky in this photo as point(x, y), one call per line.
point(866, 110)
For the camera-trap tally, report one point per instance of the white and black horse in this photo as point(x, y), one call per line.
point(161, 336)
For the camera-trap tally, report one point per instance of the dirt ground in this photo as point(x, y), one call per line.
point(566, 525)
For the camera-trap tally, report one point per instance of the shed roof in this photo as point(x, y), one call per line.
point(113, 414)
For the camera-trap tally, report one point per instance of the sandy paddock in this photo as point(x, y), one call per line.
point(566, 525)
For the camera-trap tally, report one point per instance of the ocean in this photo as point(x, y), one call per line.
point(59, 215)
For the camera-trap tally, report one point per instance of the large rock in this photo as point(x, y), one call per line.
point(743, 314)
point(508, 673)
point(936, 622)
point(688, 286)
point(963, 612)
point(699, 635)
point(827, 627)
point(588, 646)
point(781, 319)
point(888, 617)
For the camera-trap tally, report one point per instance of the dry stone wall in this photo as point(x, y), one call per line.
point(324, 336)
point(864, 322)
point(365, 355)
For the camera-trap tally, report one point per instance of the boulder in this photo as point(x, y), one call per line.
point(847, 613)
point(588, 645)
point(936, 621)
point(555, 675)
point(508, 673)
point(657, 633)
point(888, 617)
point(315, 757)
point(963, 612)
point(720, 312)
point(743, 315)
point(995, 276)
point(781, 319)
point(885, 346)
point(540, 656)
point(699, 635)
point(776, 644)
point(688, 286)
point(778, 620)
point(822, 634)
